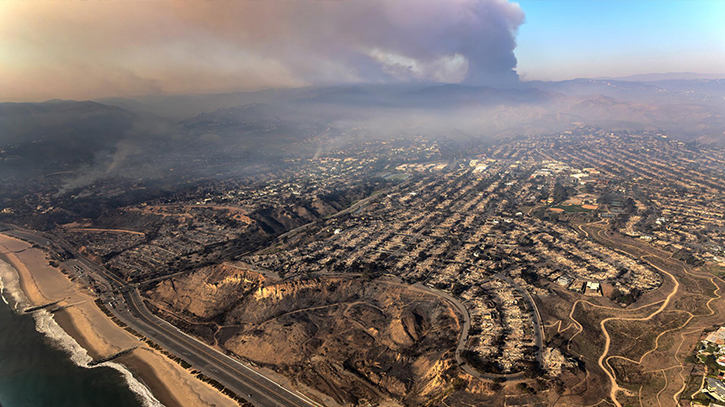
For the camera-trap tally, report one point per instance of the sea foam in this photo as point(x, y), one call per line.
point(45, 324)
point(10, 283)
point(2, 292)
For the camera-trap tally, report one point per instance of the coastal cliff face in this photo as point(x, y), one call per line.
point(353, 339)
point(210, 291)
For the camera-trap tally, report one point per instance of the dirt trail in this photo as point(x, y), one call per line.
point(651, 256)
point(615, 388)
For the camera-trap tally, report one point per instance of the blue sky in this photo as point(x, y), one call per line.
point(148, 47)
point(564, 39)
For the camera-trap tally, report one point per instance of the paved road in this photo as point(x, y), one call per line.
point(107, 279)
point(354, 207)
point(244, 381)
point(466, 326)
point(237, 377)
point(536, 318)
point(463, 338)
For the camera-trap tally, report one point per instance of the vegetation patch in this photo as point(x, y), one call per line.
point(573, 208)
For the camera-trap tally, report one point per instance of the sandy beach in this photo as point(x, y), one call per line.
point(171, 384)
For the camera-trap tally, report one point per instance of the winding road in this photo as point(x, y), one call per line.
point(603, 360)
point(246, 382)
point(652, 256)
point(466, 326)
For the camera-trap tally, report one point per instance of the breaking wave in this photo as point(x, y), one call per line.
point(45, 324)
point(10, 283)
point(2, 292)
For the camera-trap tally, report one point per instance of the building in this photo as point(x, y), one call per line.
point(715, 389)
point(593, 288)
point(564, 281)
point(716, 337)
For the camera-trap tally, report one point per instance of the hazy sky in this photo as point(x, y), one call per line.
point(87, 49)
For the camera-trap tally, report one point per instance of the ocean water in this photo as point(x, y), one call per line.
point(41, 365)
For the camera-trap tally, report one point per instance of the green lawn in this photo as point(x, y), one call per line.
point(716, 269)
point(572, 208)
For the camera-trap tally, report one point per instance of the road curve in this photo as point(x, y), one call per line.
point(237, 377)
point(463, 338)
point(231, 373)
point(603, 360)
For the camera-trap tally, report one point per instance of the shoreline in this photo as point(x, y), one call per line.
point(94, 332)
point(64, 320)
point(141, 369)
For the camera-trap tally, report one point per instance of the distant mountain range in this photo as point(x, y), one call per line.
point(42, 134)
point(654, 88)
point(651, 77)
point(62, 134)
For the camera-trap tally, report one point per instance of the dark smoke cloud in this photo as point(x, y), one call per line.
point(86, 49)
point(328, 41)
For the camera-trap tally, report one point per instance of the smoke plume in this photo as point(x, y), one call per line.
point(91, 49)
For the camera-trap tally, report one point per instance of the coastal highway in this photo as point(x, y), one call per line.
point(246, 382)
point(107, 279)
